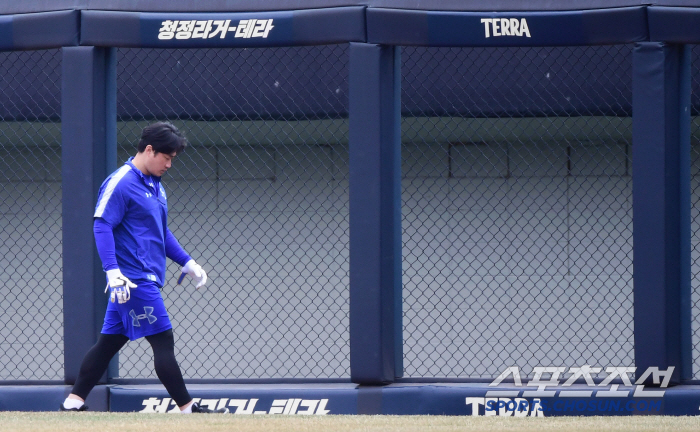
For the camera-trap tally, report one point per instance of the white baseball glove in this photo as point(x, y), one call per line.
point(119, 285)
point(196, 271)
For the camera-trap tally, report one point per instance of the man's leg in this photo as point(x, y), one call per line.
point(94, 365)
point(168, 372)
point(166, 367)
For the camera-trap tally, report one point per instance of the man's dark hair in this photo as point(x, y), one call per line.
point(164, 137)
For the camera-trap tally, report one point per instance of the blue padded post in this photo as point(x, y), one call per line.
point(88, 129)
point(375, 214)
point(685, 219)
point(661, 149)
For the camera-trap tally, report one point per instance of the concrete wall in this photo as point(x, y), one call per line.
point(31, 291)
point(523, 257)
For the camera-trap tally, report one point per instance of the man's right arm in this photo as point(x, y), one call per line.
point(104, 239)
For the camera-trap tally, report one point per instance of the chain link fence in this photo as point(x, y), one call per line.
point(517, 209)
point(31, 288)
point(259, 199)
point(695, 208)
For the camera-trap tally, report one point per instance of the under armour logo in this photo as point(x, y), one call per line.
point(148, 194)
point(148, 315)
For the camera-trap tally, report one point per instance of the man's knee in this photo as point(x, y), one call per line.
point(162, 340)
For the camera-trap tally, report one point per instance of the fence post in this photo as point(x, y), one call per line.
point(88, 130)
point(661, 194)
point(376, 343)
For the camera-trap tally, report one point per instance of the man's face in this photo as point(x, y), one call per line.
point(158, 163)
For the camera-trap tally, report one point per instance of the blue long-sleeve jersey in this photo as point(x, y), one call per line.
point(130, 227)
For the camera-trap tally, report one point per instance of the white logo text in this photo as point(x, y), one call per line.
point(192, 29)
point(505, 27)
point(243, 406)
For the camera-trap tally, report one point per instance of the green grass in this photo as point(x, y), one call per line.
point(126, 422)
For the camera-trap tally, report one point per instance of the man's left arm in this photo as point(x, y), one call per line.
point(175, 252)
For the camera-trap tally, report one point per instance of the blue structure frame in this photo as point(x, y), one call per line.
point(89, 143)
point(661, 150)
point(375, 214)
point(661, 160)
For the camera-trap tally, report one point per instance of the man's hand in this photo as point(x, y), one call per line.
point(119, 285)
point(196, 271)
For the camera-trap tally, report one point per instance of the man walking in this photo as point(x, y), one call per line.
point(133, 241)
